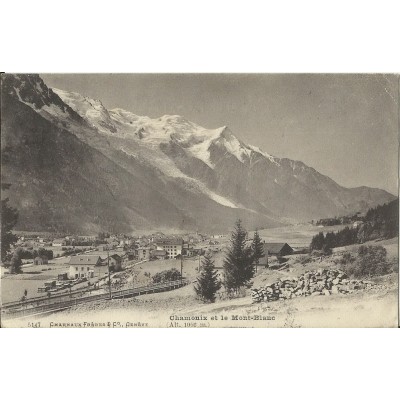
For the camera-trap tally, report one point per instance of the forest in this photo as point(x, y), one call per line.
point(381, 222)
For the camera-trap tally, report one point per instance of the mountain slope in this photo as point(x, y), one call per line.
point(76, 166)
point(60, 182)
point(244, 174)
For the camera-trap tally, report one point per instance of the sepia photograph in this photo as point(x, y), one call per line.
point(199, 200)
point(231, 166)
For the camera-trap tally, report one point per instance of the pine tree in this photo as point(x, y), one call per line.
point(15, 263)
point(238, 264)
point(9, 217)
point(258, 248)
point(317, 242)
point(207, 282)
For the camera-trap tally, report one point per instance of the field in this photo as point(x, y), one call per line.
point(34, 276)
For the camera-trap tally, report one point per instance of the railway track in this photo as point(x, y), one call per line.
point(9, 311)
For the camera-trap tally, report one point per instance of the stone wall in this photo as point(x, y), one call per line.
point(311, 283)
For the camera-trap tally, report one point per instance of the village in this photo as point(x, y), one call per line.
point(85, 264)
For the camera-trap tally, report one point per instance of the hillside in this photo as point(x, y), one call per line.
point(76, 166)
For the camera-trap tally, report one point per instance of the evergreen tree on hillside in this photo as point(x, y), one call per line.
point(9, 218)
point(238, 264)
point(207, 282)
point(382, 221)
point(317, 242)
point(330, 240)
point(258, 248)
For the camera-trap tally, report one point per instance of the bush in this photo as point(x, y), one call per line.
point(167, 276)
point(326, 250)
point(347, 258)
point(371, 261)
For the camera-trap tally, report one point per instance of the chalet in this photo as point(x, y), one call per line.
point(82, 266)
point(173, 247)
point(274, 249)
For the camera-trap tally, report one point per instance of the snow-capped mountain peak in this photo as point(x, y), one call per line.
point(112, 170)
point(195, 139)
point(89, 109)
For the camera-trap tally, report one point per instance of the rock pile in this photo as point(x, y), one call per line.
point(311, 283)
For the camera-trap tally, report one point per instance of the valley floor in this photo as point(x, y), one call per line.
point(376, 307)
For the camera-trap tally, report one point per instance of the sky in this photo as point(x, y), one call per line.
point(345, 126)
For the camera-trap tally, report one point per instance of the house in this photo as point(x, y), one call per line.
point(187, 250)
point(274, 249)
point(356, 224)
point(173, 247)
point(159, 254)
point(112, 242)
point(125, 242)
point(115, 262)
point(198, 251)
point(82, 266)
point(220, 236)
point(40, 260)
point(143, 253)
point(59, 242)
point(130, 255)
